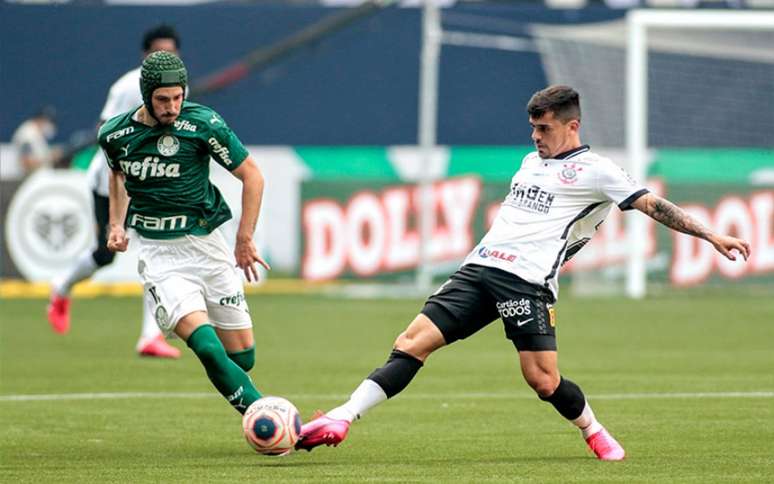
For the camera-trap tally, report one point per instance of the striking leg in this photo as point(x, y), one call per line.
point(412, 347)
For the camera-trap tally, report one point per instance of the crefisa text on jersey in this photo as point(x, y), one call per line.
point(150, 167)
point(184, 125)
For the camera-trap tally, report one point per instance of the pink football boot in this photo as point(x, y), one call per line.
point(605, 447)
point(322, 430)
point(59, 313)
point(158, 348)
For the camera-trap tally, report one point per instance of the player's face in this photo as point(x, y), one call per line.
point(167, 102)
point(551, 136)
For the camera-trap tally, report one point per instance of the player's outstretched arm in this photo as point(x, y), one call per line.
point(674, 217)
point(119, 203)
point(252, 193)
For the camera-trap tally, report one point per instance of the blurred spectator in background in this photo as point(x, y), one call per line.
point(31, 140)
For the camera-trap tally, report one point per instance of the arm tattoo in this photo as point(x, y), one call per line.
point(676, 218)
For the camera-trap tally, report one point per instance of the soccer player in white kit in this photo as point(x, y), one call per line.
point(558, 197)
point(124, 95)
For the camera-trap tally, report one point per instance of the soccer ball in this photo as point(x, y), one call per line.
point(271, 425)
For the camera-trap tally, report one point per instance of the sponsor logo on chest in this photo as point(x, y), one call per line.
point(185, 125)
point(530, 197)
point(150, 167)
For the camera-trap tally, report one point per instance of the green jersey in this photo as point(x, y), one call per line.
point(167, 170)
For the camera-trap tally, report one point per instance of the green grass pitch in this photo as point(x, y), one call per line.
point(685, 383)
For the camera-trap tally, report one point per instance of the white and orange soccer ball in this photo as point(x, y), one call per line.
point(271, 425)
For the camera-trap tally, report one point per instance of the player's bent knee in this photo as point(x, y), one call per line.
point(420, 339)
point(415, 347)
point(236, 340)
point(543, 382)
point(540, 371)
point(402, 341)
point(245, 359)
point(544, 387)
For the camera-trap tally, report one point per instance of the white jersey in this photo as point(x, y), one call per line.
point(124, 95)
point(552, 210)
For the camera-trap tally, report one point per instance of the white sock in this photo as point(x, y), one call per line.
point(368, 395)
point(587, 422)
point(150, 330)
point(83, 268)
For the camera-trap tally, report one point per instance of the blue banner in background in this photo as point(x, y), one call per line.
point(357, 86)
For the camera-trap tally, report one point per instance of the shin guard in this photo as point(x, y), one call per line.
point(397, 373)
point(568, 399)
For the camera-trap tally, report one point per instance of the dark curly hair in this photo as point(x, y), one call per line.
point(162, 31)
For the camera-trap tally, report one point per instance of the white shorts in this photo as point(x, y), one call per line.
point(192, 273)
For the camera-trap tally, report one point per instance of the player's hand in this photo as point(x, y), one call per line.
point(727, 245)
point(246, 257)
point(117, 239)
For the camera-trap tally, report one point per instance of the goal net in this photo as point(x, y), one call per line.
point(683, 99)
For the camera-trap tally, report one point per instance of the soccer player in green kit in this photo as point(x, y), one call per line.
point(159, 155)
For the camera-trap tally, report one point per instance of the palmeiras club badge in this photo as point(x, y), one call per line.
point(569, 173)
point(168, 145)
point(162, 318)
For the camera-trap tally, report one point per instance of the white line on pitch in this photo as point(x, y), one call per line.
point(409, 396)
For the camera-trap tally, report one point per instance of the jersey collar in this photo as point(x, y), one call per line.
point(570, 153)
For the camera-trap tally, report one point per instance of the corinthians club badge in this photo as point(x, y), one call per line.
point(569, 173)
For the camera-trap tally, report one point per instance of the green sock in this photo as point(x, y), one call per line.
point(230, 380)
point(245, 359)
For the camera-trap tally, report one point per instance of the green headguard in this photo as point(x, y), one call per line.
point(161, 69)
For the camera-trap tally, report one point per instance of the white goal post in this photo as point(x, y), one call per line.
point(433, 37)
point(639, 22)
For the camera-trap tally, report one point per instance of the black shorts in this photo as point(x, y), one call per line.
point(475, 296)
point(101, 255)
